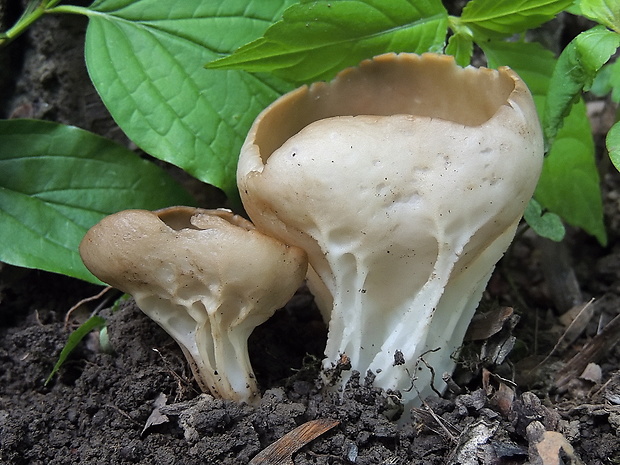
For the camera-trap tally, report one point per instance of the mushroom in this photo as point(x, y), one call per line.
point(404, 179)
point(207, 277)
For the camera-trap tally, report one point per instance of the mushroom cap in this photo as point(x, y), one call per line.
point(427, 85)
point(180, 249)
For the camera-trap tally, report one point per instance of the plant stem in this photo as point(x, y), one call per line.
point(29, 16)
point(34, 10)
point(71, 9)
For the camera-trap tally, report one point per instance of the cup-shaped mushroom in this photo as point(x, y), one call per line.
point(207, 277)
point(404, 180)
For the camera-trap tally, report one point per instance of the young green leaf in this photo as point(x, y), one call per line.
point(145, 59)
point(57, 181)
point(316, 39)
point(569, 184)
point(613, 145)
point(605, 12)
point(575, 70)
point(460, 46)
point(614, 80)
point(608, 80)
point(545, 224)
point(74, 339)
point(502, 18)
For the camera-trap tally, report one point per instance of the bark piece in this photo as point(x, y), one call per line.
point(281, 452)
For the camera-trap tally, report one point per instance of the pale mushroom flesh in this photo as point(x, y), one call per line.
point(404, 180)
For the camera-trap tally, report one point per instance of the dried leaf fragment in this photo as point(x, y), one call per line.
point(485, 325)
point(549, 447)
point(156, 417)
point(592, 373)
point(281, 452)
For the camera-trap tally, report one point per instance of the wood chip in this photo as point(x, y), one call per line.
point(281, 452)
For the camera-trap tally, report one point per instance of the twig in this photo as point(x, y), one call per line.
point(430, 368)
point(565, 334)
point(443, 424)
point(591, 352)
point(82, 302)
point(183, 383)
point(123, 413)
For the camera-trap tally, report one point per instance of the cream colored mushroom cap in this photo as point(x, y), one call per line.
point(400, 145)
point(181, 249)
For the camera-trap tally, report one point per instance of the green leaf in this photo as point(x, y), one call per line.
point(74, 339)
point(532, 61)
point(545, 224)
point(575, 70)
point(501, 18)
point(613, 145)
point(605, 12)
point(569, 184)
point(146, 60)
point(575, 8)
point(104, 341)
point(57, 181)
point(316, 39)
point(608, 80)
point(614, 81)
point(461, 47)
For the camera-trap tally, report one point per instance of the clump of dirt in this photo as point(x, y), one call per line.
point(133, 400)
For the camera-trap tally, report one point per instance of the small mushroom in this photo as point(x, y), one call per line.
point(207, 277)
point(404, 180)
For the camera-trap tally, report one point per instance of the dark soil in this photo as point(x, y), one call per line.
point(524, 405)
